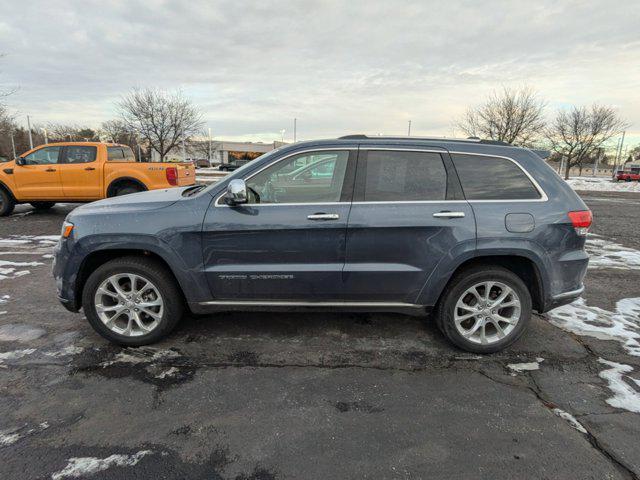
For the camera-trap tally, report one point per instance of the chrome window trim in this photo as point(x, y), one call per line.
point(298, 152)
point(543, 194)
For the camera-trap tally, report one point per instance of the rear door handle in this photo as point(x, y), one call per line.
point(323, 216)
point(449, 215)
point(89, 168)
point(50, 170)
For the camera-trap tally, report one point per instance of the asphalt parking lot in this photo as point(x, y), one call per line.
point(317, 396)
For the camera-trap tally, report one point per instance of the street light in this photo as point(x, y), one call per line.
point(46, 138)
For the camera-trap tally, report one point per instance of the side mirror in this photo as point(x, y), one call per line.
point(236, 192)
point(20, 161)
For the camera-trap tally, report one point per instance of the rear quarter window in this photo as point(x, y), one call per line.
point(493, 178)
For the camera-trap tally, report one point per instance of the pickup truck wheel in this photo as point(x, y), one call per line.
point(126, 190)
point(6, 203)
point(42, 205)
point(132, 301)
point(484, 310)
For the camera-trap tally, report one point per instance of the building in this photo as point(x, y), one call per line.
point(222, 151)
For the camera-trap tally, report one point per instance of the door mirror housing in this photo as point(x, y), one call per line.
point(20, 161)
point(236, 192)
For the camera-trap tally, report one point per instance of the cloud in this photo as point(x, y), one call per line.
point(340, 67)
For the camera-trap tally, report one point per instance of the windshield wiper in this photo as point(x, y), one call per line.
point(193, 190)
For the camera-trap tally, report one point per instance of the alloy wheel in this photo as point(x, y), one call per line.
point(487, 312)
point(129, 304)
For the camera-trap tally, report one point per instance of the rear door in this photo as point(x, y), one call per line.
point(288, 243)
point(39, 177)
point(408, 215)
point(80, 172)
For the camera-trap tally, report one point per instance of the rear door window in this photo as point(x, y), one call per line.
point(493, 178)
point(78, 154)
point(404, 176)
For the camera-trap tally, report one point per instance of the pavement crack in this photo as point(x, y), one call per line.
point(621, 466)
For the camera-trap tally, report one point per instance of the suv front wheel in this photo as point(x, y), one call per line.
point(485, 309)
point(132, 301)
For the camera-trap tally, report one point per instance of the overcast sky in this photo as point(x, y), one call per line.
point(339, 67)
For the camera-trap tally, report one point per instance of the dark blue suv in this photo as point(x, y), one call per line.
point(478, 233)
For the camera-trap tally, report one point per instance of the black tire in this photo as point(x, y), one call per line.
point(126, 190)
point(464, 281)
point(151, 270)
point(7, 204)
point(42, 205)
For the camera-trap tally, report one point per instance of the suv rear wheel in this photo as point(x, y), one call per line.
point(132, 301)
point(484, 309)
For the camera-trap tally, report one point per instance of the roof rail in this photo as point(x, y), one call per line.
point(361, 136)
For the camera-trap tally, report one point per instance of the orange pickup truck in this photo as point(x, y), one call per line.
point(82, 172)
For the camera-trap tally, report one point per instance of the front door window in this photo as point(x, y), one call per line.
point(315, 177)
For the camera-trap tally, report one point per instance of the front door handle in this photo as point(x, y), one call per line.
point(449, 215)
point(323, 216)
point(50, 170)
point(89, 168)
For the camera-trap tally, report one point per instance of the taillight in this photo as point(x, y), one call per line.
point(581, 221)
point(172, 175)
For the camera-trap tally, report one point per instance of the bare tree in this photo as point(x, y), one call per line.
point(115, 131)
point(162, 119)
point(514, 116)
point(578, 132)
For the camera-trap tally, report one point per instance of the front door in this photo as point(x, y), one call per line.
point(39, 177)
point(288, 243)
point(80, 173)
point(407, 215)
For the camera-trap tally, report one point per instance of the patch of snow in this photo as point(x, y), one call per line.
point(602, 184)
point(65, 351)
point(20, 332)
point(607, 254)
point(83, 466)
point(9, 437)
point(526, 366)
point(144, 355)
point(571, 419)
point(16, 354)
point(623, 325)
point(168, 373)
point(624, 395)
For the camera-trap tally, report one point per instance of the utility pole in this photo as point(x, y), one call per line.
point(209, 146)
point(29, 125)
point(184, 150)
point(618, 156)
point(409, 130)
point(598, 159)
point(13, 145)
point(46, 138)
point(295, 129)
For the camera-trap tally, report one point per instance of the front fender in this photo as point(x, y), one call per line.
point(73, 257)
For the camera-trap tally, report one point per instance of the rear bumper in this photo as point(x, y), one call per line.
point(563, 298)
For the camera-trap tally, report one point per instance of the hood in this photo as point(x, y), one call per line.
point(135, 202)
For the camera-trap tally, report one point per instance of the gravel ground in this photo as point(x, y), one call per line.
point(315, 396)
